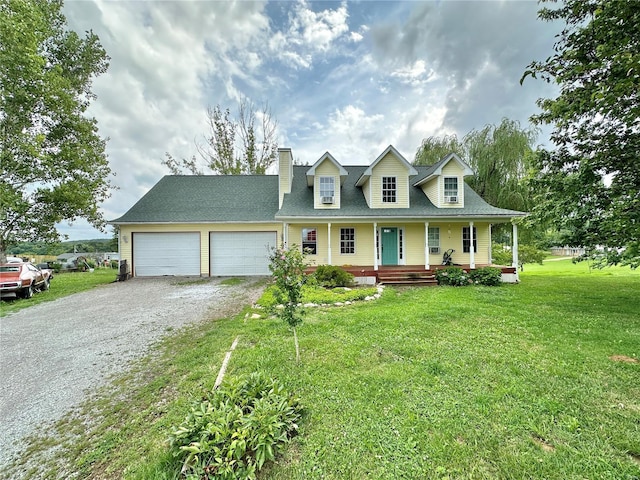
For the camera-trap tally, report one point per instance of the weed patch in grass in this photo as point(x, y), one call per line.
point(233, 281)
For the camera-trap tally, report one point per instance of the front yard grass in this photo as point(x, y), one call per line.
point(536, 380)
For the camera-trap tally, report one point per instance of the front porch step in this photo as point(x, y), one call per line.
point(407, 278)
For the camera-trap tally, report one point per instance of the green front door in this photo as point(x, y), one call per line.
point(389, 241)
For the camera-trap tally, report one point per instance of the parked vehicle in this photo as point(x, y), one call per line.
point(22, 279)
point(46, 267)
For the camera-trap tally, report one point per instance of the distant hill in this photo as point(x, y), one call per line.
point(81, 246)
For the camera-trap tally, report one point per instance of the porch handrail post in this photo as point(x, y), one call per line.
point(375, 246)
point(472, 250)
point(491, 244)
point(427, 264)
point(514, 247)
point(328, 243)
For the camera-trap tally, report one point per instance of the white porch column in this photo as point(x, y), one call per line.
point(514, 247)
point(375, 246)
point(285, 235)
point(328, 244)
point(427, 265)
point(490, 244)
point(472, 251)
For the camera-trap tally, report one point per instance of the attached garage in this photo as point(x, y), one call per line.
point(241, 253)
point(157, 254)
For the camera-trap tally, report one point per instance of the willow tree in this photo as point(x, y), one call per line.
point(53, 166)
point(501, 158)
point(435, 148)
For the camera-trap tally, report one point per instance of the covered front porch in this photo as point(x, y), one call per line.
point(411, 275)
point(401, 247)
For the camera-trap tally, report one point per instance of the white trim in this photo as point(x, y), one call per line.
point(375, 246)
point(427, 265)
point(514, 247)
point(472, 251)
point(328, 244)
point(490, 256)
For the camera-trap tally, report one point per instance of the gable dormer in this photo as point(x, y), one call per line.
point(385, 183)
point(444, 186)
point(325, 177)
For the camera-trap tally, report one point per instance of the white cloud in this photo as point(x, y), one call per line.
point(309, 33)
point(415, 74)
point(356, 37)
point(318, 29)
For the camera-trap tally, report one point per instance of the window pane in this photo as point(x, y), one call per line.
point(450, 186)
point(309, 236)
point(389, 189)
point(347, 240)
point(327, 187)
point(466, 240)
point(434, 236)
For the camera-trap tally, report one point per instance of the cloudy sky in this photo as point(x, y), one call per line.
point(349, 78)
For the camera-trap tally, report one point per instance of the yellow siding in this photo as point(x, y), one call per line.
point(413, 241)
point(366, 190)
point(430, 189)
point(326, 169)
point(126, 231)
point(484, 246)
point(295, 238)
point(454, 240)
point(414, 244)
point(390, 166)
point(365, 242)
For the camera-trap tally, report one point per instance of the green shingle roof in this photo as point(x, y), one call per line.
point(207, 198)
point(254, 198)
point(299, 203)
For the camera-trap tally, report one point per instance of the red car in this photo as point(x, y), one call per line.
point(22, 279)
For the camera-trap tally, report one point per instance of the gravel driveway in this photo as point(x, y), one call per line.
point(53, 353)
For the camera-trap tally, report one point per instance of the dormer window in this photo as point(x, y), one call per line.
point(327, 189)
point(451, 189)
point(389, 189)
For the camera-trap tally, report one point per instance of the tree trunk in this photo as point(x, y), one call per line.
point(295, 339)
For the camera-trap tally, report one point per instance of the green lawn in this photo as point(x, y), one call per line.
point(62, 285)
point(516, 381)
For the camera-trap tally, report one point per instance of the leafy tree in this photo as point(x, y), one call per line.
point(53, 165)
point(234, 146)
point(590, 185)
point(287, 266)
point(434, 149)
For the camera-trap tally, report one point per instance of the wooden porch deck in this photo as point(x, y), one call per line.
point(407, 274)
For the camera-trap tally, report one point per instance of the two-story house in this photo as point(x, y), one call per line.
point(366, 218)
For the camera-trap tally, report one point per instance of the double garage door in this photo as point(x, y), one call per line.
point(231, 253)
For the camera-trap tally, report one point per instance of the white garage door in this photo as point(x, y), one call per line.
point(241, 253)
point(157, 254)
